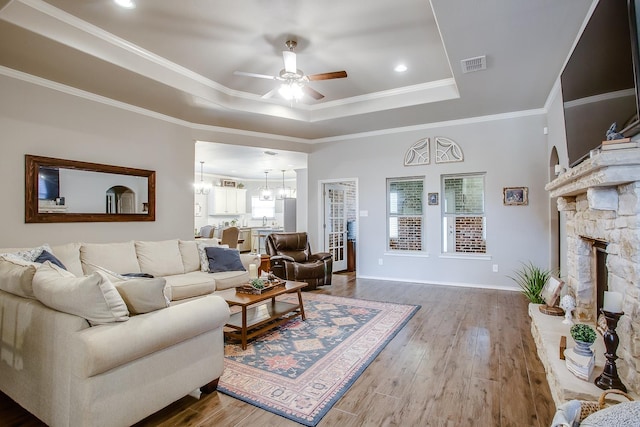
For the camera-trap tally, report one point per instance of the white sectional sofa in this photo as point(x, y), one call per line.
point(83, 347)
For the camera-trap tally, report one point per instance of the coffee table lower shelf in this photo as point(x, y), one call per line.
point(261, 313)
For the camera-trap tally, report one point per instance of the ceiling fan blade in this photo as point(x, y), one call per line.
point(270, 93)
point(290, 65)
point(260, 76)
point(312, 92)
point(328, 76)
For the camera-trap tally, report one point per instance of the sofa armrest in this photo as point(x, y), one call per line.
point(104, 347)
point(249, 259)
point(320, 256)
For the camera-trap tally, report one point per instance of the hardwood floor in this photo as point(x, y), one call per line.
point(466, 358)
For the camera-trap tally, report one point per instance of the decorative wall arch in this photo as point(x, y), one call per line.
point(418, 153)
point(448, 151)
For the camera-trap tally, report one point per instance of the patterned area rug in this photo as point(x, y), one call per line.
point(302, 368)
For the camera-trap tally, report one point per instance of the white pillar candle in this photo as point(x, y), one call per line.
point(612, 302)
point(253, 271)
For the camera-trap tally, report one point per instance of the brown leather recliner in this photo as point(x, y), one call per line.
point(291, 259)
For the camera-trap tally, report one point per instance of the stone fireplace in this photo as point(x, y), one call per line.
point(601, 200)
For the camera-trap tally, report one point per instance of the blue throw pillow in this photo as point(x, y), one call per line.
point(223, 259)
point(48, 256)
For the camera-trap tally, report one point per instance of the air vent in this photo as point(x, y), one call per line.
point(470, 65)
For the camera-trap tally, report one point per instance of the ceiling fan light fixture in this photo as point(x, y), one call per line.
point(400, 68)
point(291, 91)
point(127, 4)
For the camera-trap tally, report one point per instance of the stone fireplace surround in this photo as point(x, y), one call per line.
point(601, 201)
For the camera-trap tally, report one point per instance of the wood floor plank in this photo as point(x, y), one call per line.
point(466, 358)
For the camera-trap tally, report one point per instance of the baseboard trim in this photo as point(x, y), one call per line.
point(432, 282)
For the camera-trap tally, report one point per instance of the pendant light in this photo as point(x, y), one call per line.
point(202, 187)
point(265, 193)
point(283, 192)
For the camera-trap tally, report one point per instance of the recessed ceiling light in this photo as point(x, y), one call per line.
point(400, 68)
point(127, 4)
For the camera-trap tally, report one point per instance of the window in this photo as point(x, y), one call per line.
point(405, 199)
point(262, 208)
point(463, 218)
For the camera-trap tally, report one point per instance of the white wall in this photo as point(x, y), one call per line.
point(511, 151)
point(40, 121)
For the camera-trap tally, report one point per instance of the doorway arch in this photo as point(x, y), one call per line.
point(554, 217)
point(120, 199)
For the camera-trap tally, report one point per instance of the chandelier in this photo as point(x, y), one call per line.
point(202, 187)
point(283, 192)
point(265, 193)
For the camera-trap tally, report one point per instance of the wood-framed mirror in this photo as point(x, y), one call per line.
point(59, 190)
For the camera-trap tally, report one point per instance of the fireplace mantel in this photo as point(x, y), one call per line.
point(605, 168)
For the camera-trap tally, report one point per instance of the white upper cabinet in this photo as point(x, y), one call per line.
point(227, 201)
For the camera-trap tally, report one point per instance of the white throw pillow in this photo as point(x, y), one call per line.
point(31, 254)
point(159, 259)
point(624, 414)
point(142, 295)
point(204, 260)
point(16, 275)
point(92, 297)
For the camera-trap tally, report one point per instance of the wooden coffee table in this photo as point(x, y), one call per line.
point(254, 318)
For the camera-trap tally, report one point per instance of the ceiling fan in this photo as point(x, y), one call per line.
point(294, 81)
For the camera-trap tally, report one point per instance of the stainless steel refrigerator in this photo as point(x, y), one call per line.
point(289, 214)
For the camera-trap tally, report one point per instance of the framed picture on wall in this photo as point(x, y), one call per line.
point(433, 198)
point(515, 196)
point(228, 183)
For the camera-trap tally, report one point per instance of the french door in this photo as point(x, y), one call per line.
point(335, 224)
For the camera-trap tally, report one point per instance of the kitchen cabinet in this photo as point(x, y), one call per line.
point(227, 201)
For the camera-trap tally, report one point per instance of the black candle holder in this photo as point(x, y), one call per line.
point(609, 377)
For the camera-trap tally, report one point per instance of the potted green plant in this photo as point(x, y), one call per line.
point(257, 284)
point(584, 336)
point(531, 279)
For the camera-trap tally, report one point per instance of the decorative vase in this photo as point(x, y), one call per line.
point(583, 348)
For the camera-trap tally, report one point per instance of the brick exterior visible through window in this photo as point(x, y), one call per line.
point(405, 213)
point(463, 214)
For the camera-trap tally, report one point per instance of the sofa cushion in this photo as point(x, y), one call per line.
point(16, 275)
point(230, 279)
point(92, 297)
point(118, 257)
point(190, 255)
point(143, 295)
point(223, 259)
point(48, 256)
point(191, 284)
point(161, 258)
point(69, 255)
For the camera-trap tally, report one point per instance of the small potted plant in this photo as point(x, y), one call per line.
point(257, 284)
point(584, 336)
point(531, 279)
